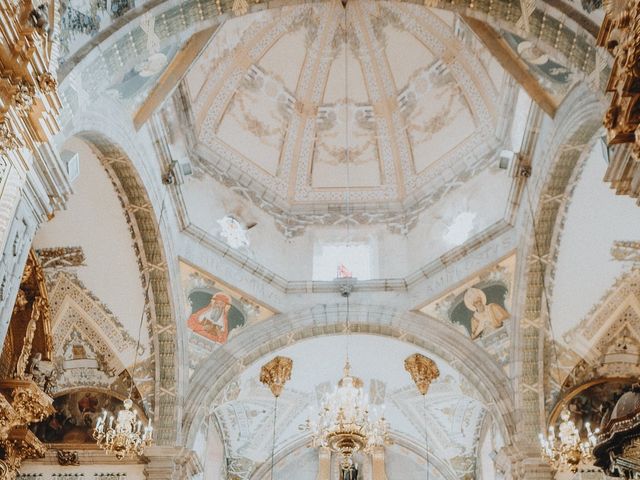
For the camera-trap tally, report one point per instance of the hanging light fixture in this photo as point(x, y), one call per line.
point(275, 374)
point(125, 434)
point(566, 449)
point(423, 371)
point(346, 422)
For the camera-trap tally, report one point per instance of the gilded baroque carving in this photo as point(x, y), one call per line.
point(276, 373)
point(47, 82)
point(27, 400)
point(8, 418)
point(8, 139)
point(620, 35)
point(23, 97)
point(67, 458)
point(423, 371)
point(21, 444)
point(38, 307)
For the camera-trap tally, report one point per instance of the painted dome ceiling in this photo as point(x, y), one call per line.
point(269, 103)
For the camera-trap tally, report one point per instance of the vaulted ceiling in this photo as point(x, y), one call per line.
point(269, 99)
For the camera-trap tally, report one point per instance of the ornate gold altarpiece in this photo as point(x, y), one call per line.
point(29, 102)
point(620, 35)
point(23, 382)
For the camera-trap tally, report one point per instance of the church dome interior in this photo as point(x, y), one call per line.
point(321, 240)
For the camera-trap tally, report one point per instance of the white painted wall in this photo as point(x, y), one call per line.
point(585, 269)
point(95, 221)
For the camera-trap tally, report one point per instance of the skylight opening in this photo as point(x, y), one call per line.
point(333, 260)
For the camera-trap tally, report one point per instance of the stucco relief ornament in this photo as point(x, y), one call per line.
point(233, 232)
point(423, 371)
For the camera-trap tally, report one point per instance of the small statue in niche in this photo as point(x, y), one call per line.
point(35, 371)
point(21, 301)
point(50, 382)
point(23, 359)
point(40, 18)
point(42, 372)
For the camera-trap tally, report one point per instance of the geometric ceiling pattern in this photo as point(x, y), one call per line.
point(273, 92)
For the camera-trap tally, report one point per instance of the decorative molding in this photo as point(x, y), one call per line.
point(579, 118)
point(153, 267)
point(69, 300)
point(61, 257)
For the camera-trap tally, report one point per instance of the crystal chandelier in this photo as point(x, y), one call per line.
point(567, 450)
point(346, 423)
point(123, 435)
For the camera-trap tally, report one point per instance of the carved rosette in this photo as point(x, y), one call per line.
point(276, 373)
point(423, 371)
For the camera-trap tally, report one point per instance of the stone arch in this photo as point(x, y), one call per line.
point(126, 170)
point(579, 120)
point(248, 347)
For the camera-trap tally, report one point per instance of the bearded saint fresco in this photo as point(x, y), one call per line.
point(486, 317)
point(213, 315)
point(481, 310)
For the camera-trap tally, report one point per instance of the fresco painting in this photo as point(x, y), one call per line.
point(481, 305)
point(75, 417)
point(217, 312)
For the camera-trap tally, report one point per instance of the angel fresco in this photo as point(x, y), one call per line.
point(213, 315)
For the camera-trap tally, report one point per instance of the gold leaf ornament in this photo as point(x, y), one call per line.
point(276, 373)
point(423, 371)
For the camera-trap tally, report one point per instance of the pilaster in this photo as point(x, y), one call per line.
point(378, 471)
point(161, 462)
point(324, 464)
